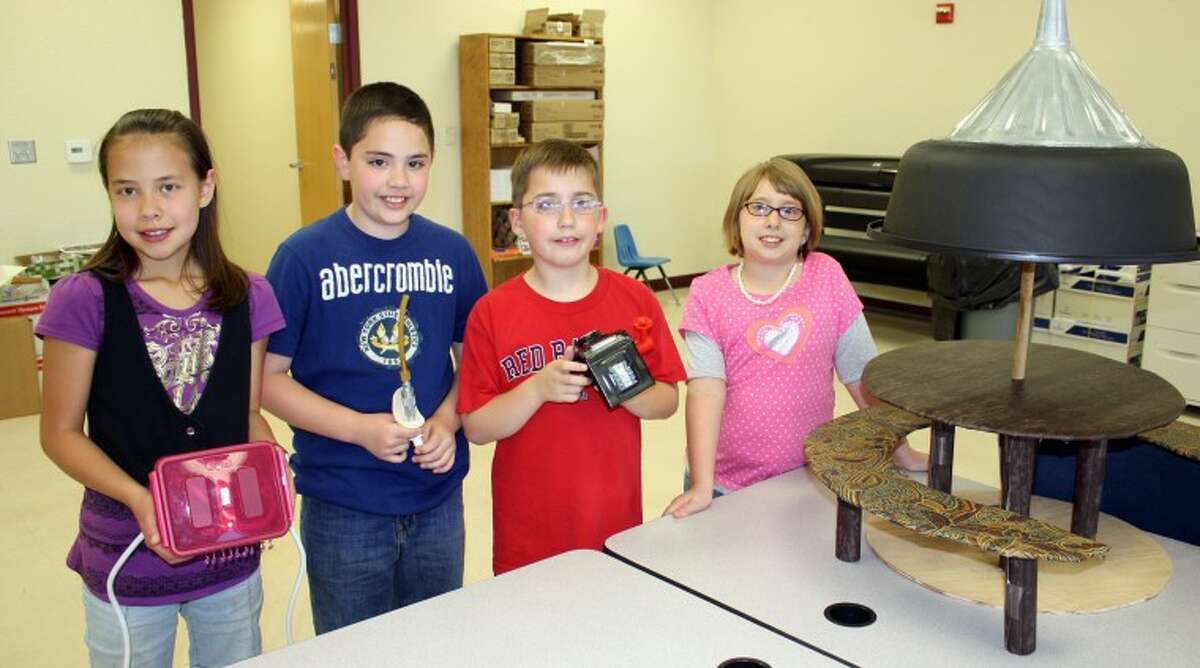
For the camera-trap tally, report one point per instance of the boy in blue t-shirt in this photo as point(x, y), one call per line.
point(382, 521)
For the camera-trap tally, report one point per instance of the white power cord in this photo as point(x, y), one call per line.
point(299, 580)
point(112, 595)
point(110, 588)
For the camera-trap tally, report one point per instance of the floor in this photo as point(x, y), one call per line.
point(43, 621)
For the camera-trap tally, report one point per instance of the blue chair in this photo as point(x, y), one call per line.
point(627, 256)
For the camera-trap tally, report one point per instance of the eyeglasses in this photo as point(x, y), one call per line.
point(549, 206)
point(761, 210)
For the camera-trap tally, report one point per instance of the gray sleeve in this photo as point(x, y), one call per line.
point(855, 348)
point(704, 358)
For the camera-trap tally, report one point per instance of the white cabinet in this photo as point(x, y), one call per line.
point(1172, 348)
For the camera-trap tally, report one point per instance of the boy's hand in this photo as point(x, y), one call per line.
point(692, 501)
point(561, 381)
point(142, 506)
point(381, 436)
point(437, 451)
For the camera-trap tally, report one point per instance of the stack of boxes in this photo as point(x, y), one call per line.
point(502, 61)
point(505, 124)
point(562, 65)
point(589, 24)
point(1097, 308)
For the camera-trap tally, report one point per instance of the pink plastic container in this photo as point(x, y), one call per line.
point(222, 498)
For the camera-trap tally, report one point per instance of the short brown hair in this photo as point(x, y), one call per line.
point(382, 99)
point(786, 177)
point(556, 155)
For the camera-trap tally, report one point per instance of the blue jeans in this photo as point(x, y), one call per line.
point(222, 628)
point(361, 565)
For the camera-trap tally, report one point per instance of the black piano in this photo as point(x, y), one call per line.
point(855, 190)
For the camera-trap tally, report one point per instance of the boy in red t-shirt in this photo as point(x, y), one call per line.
point(567, 469)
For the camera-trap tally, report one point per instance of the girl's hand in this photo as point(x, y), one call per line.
point(142, 506)
point(692, 501)
point(561, 381)
point(437, 451)
point(381, 436)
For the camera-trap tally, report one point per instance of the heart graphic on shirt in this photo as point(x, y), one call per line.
point(784, 337)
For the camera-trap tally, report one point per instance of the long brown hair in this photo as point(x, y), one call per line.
point(116, 260)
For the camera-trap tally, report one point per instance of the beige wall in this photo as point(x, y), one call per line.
point(697, 91)
point(68, 70)
point(244, 60)
point(661, 125)
point(878, 76)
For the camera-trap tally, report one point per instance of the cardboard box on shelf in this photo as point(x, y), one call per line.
point(562, 53)
point(20, 393)
point(1115, 304)
point(502, 61)
point(524, 95)
point(1043, 304)
point(539, 22)
point(502, 77)
point(561, 75)
point(509, 120)
point(583, 131)
point(502, 107)
point(506, 136)
point(545, 111)
point(502, 44)
point(501, 185)
point(589, 24)
point(1122, 346)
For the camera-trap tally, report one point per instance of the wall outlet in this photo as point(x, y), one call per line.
point(22, 151)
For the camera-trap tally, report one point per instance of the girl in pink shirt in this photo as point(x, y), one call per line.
point(764, 337)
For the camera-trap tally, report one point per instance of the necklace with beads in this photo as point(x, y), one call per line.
point(763, 302)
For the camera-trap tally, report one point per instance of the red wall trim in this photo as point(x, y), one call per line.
point(189, 46)
point(351, 70)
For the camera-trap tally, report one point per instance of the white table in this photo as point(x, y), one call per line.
point(767, 552)
point(581, 608)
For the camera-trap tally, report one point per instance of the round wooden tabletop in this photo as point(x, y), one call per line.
point(1066, 395)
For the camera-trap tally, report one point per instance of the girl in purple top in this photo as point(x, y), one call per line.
point(158, 316)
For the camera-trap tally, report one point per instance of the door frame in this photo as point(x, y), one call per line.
point(351, 67)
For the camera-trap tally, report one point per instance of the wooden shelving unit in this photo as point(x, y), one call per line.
point(480, 156)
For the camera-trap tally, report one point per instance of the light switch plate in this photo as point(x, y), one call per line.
point(22, 151)
point(79, 150)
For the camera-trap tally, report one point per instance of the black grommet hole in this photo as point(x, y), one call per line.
point(744, 662)
point(850, 614)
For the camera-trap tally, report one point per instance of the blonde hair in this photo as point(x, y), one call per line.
point(787, 178)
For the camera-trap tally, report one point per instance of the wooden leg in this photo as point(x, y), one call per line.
point(1017, 472)
point(1089, 484)
point(1020, 605)
point(941, 456)
point(1003, 469)
point(848, 541)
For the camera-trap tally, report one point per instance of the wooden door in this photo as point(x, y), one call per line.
point(315, 75)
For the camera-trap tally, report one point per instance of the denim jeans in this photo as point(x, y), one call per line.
point(222, 628)
point(361, 565)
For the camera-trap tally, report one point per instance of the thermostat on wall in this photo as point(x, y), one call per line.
point(79, 150)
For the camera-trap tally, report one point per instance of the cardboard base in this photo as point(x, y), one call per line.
point(20, 392)
point(1136, 569)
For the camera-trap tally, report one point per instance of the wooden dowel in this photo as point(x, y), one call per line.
point(1024, 321)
